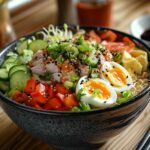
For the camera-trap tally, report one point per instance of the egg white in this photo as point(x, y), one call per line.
point(108, 66)
point(96, 101)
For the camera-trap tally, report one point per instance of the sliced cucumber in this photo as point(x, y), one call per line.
point(3, 73)
point(9, 66)
point(4, 85)
point(18, 80)
point(17, 68)
point(10, 59)
point(38, 45)
point(21, 46)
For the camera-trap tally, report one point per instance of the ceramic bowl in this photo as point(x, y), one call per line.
point(139, 25)
point(80, 130)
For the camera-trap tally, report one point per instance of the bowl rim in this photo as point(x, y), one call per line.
point(8, 100)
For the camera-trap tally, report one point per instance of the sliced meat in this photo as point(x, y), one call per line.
point(56, 77)
point(38, 69)
point(52, 67)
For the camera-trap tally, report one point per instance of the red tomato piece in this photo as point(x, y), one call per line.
point(129, 42)
point(61, 89)
point(115, 46)
point(70, 101)
point(109, 36)
point(37, 106)
point(37, 97)
point(60, 96)
point(94, 36)
point(51, 92)
point(40, 88)
point(20, 97)
point(54, 104)
point(30, 86)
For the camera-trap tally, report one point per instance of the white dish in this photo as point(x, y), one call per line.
point(139, 25)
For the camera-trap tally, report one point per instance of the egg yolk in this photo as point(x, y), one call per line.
point(91, 85)
point(117, 77)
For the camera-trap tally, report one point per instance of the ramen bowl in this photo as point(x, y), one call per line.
point(76, 130)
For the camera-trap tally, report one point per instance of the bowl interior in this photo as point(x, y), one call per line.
point(12, 45)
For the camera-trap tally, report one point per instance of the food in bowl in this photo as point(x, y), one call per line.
point(74, 70)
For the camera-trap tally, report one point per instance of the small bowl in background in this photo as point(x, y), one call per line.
point(139, 25)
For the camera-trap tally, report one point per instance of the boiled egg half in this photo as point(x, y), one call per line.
point(96, 92)
point(117, 76)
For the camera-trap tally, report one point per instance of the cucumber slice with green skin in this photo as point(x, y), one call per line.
point(9, 60)
point(18, 68)
point(3, 73)
point(4, 85)
point(9, 66)
point(18, 80)
point(38, 45)
point(21, 46)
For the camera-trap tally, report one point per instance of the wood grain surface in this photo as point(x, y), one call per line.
point(43, 13)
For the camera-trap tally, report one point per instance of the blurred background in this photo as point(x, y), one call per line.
point(20, 17)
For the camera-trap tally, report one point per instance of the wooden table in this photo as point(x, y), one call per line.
point(124, 11)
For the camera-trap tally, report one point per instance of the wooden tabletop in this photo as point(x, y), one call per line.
point(41, 14)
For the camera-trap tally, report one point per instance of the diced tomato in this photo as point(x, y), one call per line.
point(37, 97)
point(54, 104)
point(40, 88)
point(30, 86)
point(114, 46)
point(60, 96)
point(20, 97)
point(108, 36)
point(94, 36)
point(37, 106)
point(61, 89)
point(129, 42)
point(51, 92)
point(70, 101)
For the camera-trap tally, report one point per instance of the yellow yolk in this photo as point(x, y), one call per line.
point(117, 77)
point(92, 85)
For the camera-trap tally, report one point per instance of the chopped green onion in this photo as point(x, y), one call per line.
point(60, 59)
point(117, 56)
point(127, 94)
point(53, 47)
point(94, 75)
point(80, 94)
point(80, 40)
point(121, 100)
point(68, 84)
point(96, 92)
point(74, 77)
point(91, 61)
point(84, 106)
point(75, 109)
point(84, 47)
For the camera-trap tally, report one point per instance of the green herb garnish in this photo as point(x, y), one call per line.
point(84, 106)
point(80, 94)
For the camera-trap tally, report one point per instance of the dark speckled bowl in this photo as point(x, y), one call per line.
point(81, 130)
